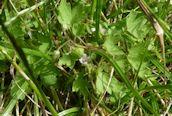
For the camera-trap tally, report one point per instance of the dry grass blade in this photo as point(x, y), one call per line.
point(160, 33)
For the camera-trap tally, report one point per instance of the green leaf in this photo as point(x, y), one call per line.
point(68, 16)
point(80, 84)
point(2, 57)
point(67, 60)
point(49, 76)
point(137, 26)
point(77, 52)
point(16, 29)
point(65, 14)
point(135, 57)
point(42, 38)
point(111, 45)
point(126, 80)
point(78, 14)
point(122, 62)
point(79, 30)
point(102, 81)
point(44, 47)
point(70, 59)
point(36, 53)
point(49, 80)
point(3, 66)
point(7, 48)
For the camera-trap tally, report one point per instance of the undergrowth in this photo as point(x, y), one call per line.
point(84, 58)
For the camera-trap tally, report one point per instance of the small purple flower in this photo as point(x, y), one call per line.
point(102, 30)
point(84, 59)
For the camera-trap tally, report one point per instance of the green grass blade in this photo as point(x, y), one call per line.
point(37, 53)
point(126, 80)
point(14, 99)
point(36, 108)
point(119, 11)
point(93, 6)
point(97, 100)
point(163, 87)
point(98, 15)
point(68, 111)
point(35, 86)
point(158, 64)
point(163, 24)
point(23, 12)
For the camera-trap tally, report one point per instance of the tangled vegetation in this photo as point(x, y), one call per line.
point(85, 57)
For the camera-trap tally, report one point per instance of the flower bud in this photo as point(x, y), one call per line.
point(56, 54)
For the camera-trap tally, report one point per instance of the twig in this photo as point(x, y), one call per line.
point(168, 107)
point(24, 11)
point(111, 75)
point(158, 95)
point(131, 107)
point(13, 76)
